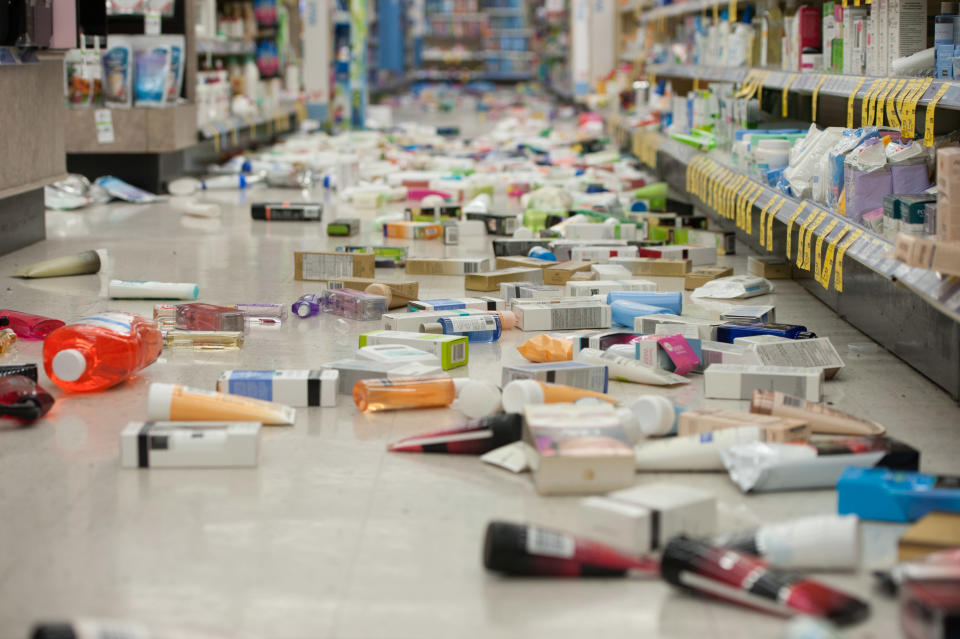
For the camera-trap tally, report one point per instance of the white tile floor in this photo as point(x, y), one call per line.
point(331, 536)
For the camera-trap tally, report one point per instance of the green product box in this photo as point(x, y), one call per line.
point(453, 350)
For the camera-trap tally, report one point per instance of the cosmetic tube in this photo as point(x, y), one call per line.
point(531, 551)
point(173, 402)
point(83, 628)
point(476, 437)
point(133, 290)
point(521, 392)
point(385, 394)
point(625, 312)
point(203, 340)
point(699, 567)
point(28, 326)
point(693, 452)
point(287, 211)
point(822, 419)
point(22, 399)
point(208, 317)
point(629, 370)
point(309, 305)
point(652, 415)
point(820, 542)
point(27, 370)
point(77, 264)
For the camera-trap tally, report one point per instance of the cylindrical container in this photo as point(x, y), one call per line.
point(22, 399)
point(654, 415)
point(692, 452)
point(672, 301)
point(771, 154)
point(542, 253)
point(76, 264)
point(473, 438)
point(132, 290)
point(477, 328)
point(629, 370)
point(719, 572)
point(28, 326)
point(531, 551)
point(823, 419)
point(386, 394)
point(521, 392)
point(623, 312)
point(172, 402)
point(101, 351)
point(820, 542)
point(208, 317)
point(476, 398)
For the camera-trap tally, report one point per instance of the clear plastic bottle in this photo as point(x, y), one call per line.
point(477, 328)
point(208, 317)
point(28, 326)
point(7, 339)
point(385, 394)
point(98, 352)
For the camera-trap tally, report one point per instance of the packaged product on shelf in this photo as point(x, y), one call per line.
point(152, 59)
point(867, 178)
point(118, 72)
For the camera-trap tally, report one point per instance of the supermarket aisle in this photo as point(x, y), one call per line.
point(330, 535)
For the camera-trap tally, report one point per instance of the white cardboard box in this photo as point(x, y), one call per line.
point(189, 444)
point(738, 381)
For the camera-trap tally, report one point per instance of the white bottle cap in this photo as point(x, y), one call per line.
point(521, 392)
point(69, 364)
point(508, 319)
point(476, 398)
point(654, 415)
point(820, 542)
point(523, 233)
point(158, 401)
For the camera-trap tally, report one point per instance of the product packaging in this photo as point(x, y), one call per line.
point(820, 542)
point(734, 287)
point(201, 444)
point(291, 387)
point(560, 273)
point(448, 266)
point(492, 280)
point(118, 71)
point(731, 381)
point(562, 316)
point(584, 375)
point(544, 348)
point(153, 63)
point(476, 437)
point(452, 350)
point(324, 266)
point(885, 494)
point(77, 264)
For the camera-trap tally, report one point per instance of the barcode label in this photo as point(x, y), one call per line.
point(458, 353)
point(576, 317)
point(473, 323)
point(322, 266)
point(549, 543)
point(797, 402)
point(475, 266)
point(510, 225)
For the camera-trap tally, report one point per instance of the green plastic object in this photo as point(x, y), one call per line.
point(655, 194)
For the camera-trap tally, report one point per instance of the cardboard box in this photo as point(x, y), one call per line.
point(562, 317)
point(948, 194)
point(491, 281)
point(595, 231)
point(413, 230)
point(452, 350)
point(323, 266)
point(776, 429)
point(447, 265)
point(526, 290)
point(811, 353)
point(738, 381)
point(580, 374)
point(577, 449)
point(760, 314)
point(189, 444)
point(934, 532)
point(563, 249)
point(770, 267)
point(430, 213)
point(529, 262)
point(653, 266)
point(698, 255)
point(455, 303)
point(351, 371)
point(297, 388)
point(496, 223)
point(510, 246)
point(721, 353)
point(411, 321)
point(602, 287)
point(602, 254)
point(648, 325)
point(700, 276)
point(402, 293)
point(559, 273)
point(583, 276)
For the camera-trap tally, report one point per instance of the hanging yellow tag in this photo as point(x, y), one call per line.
point(841, 251)
point(865, 103)
point(908, 128)
point(817, 268)
point(908, 91)
point(749, 209)
point(844, 4)
point(881, 101)
point(808, 240)
point(802, 236)
point(716, 13)
point(786, 94)
point(872, 112)
point(816, 94)
point(696, 83)
point(793, 218)
point(763, 219)
point(852, 98)
point(931, 109)
point(732, 15)
point(745, 85)
point(770, 218)
point(891, 108)
point(826, 271)
point(734, 191)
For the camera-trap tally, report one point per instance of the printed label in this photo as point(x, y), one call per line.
point(576, 317)
point(549, 543)
point(116, 322)
point(458, 353)
point(473, 323)
point(322, 266)
point(104, 123)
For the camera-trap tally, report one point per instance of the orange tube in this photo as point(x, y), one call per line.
point(521, 392)
point(179, 403)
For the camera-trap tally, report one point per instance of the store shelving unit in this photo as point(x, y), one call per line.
point(508, 39)
point(553, 47)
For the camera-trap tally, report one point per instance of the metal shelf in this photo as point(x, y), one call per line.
point(677, 9)
point(836, 85)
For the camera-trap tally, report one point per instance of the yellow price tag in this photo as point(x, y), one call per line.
point(719, 184)
point(852, 97)
point(696, 83)
point(931, 109)
point(844, 4)
point(891, 100)
point(856, 3)
point(909, 128)
point(816, 94)
point(738, 206)
point(763, 220)
point(732, 198)
point(808, 240)
point(904, 95)
point(786, 94)
point(770, 218)
point(881, 100)
point(716, 13)
point(872, 113)
point(817, 268)
point(841, 251)
point(824, 276)
point(793, 218)
point(865, 103)
point(749, 208)
point(732, 15)
point(746, 84)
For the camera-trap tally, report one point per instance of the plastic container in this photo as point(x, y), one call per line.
point(771, 154)
point(384, 394)
point(542, 253)
point(672, 300)
point(101, 351)
point(652, 416)
point(623, 312)
point(22, 399)
point(28, 326)
point(476, 328)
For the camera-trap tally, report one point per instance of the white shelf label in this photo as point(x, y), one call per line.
point(104, 121)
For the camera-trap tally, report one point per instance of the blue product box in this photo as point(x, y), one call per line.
point(892, 495)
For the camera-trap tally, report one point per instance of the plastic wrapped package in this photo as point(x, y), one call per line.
point(734, 287)
point(867, 178)
point(832, 163)
point(805, 158)
point(908, 166)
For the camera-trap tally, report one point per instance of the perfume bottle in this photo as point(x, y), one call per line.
point(477, 328)
point(203, 340)
point(28, 326)
point(251, 312)
point(385, 394)
point(355, 305)
point(165, 315)
point(208, 317)
point(309, 305)
point(22, 399)
point(7, 339)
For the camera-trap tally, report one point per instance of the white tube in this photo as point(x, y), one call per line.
point(694, 452)
point(131, 290)
point(629, 370)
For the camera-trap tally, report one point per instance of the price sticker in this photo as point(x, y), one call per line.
point(786, 94)
point(852, 98)
point(824, 275)
point(931, 109)
point(816, 94)
point(770, 218)
point(891, 101)
point(793, 218)
point(763, 218)
point(816, 253)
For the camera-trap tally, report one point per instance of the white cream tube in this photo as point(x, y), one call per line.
point(134, 290)
point(629, 370)
point(693, 452)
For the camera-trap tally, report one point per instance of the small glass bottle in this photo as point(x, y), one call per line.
point(308, 305)
point(259, 312)
point(165, 315)
point(22, 399)
point(208, 317)
point(477, 328)
point(355, 305)
point(385, 394)
point(7, 339)
point(203, 340)
point(28, 326)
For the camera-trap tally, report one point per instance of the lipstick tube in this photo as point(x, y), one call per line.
point(726, 574)
point(532, 551)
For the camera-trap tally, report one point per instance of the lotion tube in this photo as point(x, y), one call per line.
point(172, 402)
point(822, 419)
point(693, 452)
point(77, 264)
point(133, 290)
point(521, 392)
point(629, 370)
